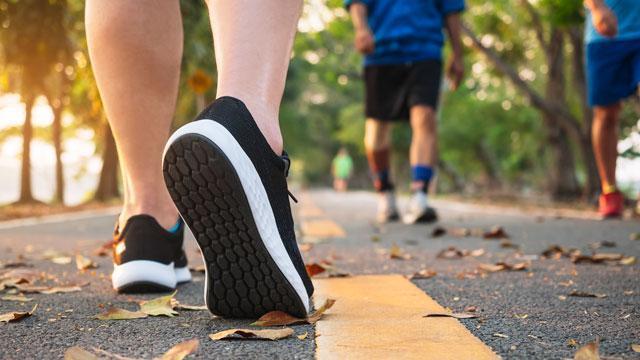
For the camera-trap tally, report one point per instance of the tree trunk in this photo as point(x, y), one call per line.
point(562, 180)
point(57, 144)
point(592, 178)
point(108, 183)
point(26, 196)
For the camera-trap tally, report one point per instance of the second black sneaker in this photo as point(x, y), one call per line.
point(231, 189)
point(147, 257)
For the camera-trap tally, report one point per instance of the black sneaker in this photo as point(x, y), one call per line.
point(147, 257)
point(231, 189)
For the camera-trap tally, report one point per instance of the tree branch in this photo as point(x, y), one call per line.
point(537, 23)
point(567, 120)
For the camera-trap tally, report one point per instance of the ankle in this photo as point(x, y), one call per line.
point(165, 215)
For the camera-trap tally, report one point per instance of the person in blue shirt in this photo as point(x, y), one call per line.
point(402, 42)
point(613, 74)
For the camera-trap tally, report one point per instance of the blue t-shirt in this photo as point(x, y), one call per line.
point(407, 30)
point(628, 13)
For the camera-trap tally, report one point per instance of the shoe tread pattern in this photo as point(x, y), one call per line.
point(243, 279)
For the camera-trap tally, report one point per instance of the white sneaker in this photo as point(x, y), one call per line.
point(387, 207)
point(419, 211)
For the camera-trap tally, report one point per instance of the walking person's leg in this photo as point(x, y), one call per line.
point(225, 171)
point(604, 136)
point(135, 49)
point(377, 144)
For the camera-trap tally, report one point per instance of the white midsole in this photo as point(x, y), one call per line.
point(182, 274)
point(143, 271)
point(256, 196)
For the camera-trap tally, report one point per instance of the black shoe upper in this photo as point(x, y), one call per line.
point(142, 238)
point(272, 169)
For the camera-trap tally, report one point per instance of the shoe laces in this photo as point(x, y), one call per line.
point(287, 165)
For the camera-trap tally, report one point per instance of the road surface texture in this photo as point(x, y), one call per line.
point(522, 314)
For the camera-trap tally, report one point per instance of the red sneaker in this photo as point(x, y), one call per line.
point(611, 205)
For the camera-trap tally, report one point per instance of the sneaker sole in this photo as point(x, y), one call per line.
point(220, 196)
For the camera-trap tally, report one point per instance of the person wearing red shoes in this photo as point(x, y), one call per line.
point(613, 74)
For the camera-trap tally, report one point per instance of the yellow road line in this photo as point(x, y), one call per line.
point(323, 228)
point(380, 317)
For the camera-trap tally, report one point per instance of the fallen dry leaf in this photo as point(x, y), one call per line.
point(629, 260)
point(278, 318)
point(501, 335)
point(500, 266)
point(452, 315)
point(160, 306)
point(423, 274)
point(589, 351)
point(438, 231)
point(303, 336)
point(84, 263)
point(61, 289)
point(15, 264)
point(179, 306)
point(596, 258)
point(21, 275)
point(198, 268)
point(507, 244)
point(395, 252)
point(451, 252)
point(104, 249)
point(471, 308)
point(496, 232)
point(521, 316)
point(61, 260)
point(181, 350)
point(20, 298)
point(314, 269)
point(477, 252)
point(577, 293)
point(601, 244)
point(635, 347)
point(269, 334)
point(634, 236)
point(14, 316)
point(78, 353)
point(572, 343)
point(121, 314)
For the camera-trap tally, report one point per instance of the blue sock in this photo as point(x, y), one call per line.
point(175, 227)
point(422, 173)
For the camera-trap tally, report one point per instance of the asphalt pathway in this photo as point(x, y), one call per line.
point(523, 314)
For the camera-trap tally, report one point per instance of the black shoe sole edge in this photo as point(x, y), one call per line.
point(143, 287)
point(242, 279)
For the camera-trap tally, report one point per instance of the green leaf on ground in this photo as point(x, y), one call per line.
point(160, 306)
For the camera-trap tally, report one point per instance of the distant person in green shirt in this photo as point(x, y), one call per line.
point(342, 168)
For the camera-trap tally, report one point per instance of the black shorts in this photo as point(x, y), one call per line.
point(391, 90)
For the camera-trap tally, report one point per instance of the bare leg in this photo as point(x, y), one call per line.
point(253, 41)
point(377, 143)
point(604, 135)
point(135, 48)
point(424, 140)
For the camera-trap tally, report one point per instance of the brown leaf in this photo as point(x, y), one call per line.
point(317, 315)
point(78, 353)
point(160, 306)
point(635, 347)
point(175, 304)
point(491, 267)
point(601, 244)
point(61, 260)
point(577, 293)
point(500, 266)
point(395, 252)
point(507, 244)
point(314, 269)
point(181, 350)
point(278, 318)
point(17, 315)
point(21, 274)
point(471, 309)
point(452, 315)
point(629, 260)
point(268, 334)
point(438, 231)
point(496, 232)
point(572, 342)
point(104, 249)
point(589, 351)
point(451, 252)
point(20, 298)
point(477, 252)
point(596, 258)
point(15, 264)
point(61, 289)
point(84, 263)
point(303, 336)
point(423, 274)
point(501, 335)
point(121, 314)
